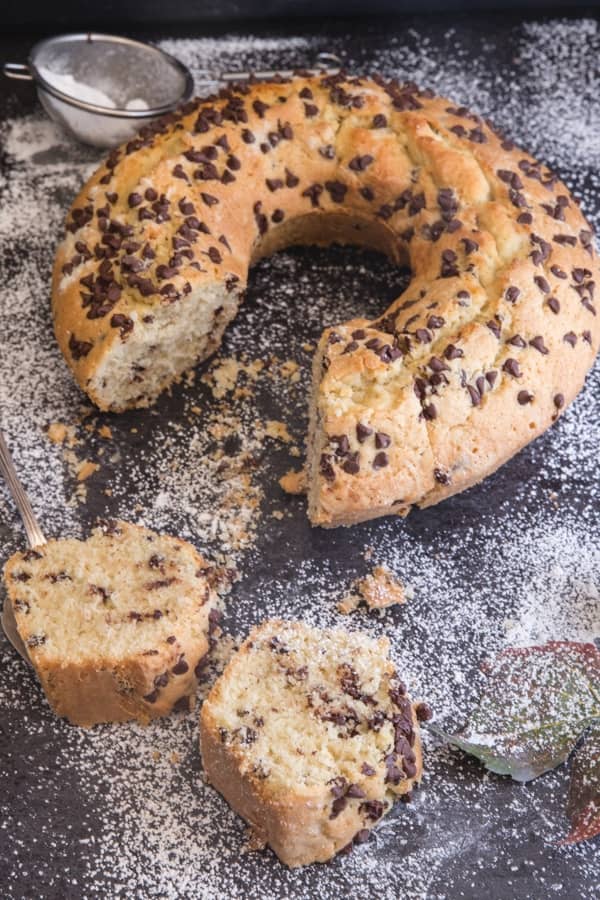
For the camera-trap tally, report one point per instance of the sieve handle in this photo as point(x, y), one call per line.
point(18, 71)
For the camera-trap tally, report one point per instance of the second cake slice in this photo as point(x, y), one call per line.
point(114, 626)
point(309, 735)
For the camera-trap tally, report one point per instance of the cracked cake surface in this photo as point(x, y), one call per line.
point(117, 627)
point(310, 736)
point(490, 341)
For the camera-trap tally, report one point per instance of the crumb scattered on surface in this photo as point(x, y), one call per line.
point(86, 468)
point(278, 431)
point(377, 590)
point(294, 481)
point(60, 433)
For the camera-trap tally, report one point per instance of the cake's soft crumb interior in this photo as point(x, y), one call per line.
point(165, 342)
point(168, 338)
point(302, 707)
point(125, 590)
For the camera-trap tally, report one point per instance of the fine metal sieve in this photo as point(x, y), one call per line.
point(122, 83)
point(120, 68)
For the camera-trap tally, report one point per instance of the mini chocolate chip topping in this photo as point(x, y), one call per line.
point(380, 460)
point(360, 163)
point(124, 323)
point(524, 397)
point(181, 667)
point(512, 367)
point(79, 349)
point(538, 343)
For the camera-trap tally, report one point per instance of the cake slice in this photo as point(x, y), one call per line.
point(310, 736)
point(115, 626)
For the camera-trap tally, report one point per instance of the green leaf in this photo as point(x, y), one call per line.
point(537, 703)
point(583, 804)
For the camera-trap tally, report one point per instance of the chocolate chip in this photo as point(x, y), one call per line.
point(360, 163)
point(380, 461)
point(559, 400)
point(352, 464)
point(524, 397)
point(538, 343)
point(355, 791)
point(434, 322)
point(314, 191)
point(512, 294)
point(181, 667)
point(554, 305)
point(452, 352)
point(124, 323)
point(79, 349)
point(512, 367)
point(366, 769)
point(209, 199)
point(337, 190)
point(416, 204)
point(474, 395)
point(525, 218)
point(363, 432)
point(470, 245)
point(372, 809)
point(423, 712)
point(382, 440)
point(134, 199)
point(423, 336)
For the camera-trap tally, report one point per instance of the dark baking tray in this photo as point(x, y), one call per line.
point(97, 814)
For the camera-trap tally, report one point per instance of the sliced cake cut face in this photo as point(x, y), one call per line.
point(116, 625)
point(310, 736)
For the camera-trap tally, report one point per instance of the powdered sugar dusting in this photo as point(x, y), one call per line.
point(513, 562)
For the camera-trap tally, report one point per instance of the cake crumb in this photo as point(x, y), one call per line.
point(85, 468)
point(380, 588)
point(60, 433)
point(348, 604)
point(278, 431)
point(377, 590)
point(254, 842)
point(106, 432)
point(294, 481)
point(290, 369)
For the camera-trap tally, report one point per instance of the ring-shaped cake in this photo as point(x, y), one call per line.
point(489, 342)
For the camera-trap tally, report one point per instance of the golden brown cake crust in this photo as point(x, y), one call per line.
point(489, 343)
point(103, 626)
point(310, 819)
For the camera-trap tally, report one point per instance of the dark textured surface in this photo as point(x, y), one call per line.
point(504, 836)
